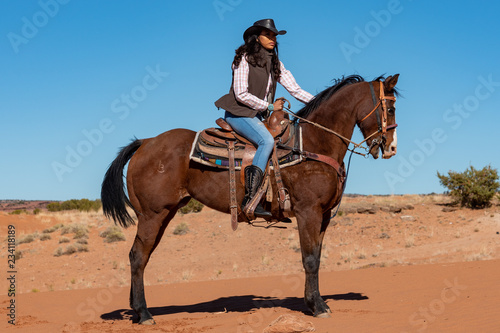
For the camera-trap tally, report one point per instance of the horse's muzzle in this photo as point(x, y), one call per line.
point(392, 149)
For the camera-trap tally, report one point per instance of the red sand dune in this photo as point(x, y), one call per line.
point(459, 297)
point(418, 270)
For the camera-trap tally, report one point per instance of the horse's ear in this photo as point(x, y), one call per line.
point(390, 82)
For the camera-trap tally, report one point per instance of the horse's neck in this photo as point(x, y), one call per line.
point(337, 114)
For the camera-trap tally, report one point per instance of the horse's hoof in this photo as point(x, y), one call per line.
point(148, 322)
point(324, 315)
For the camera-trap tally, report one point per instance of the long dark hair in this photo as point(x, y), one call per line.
point(251, 48)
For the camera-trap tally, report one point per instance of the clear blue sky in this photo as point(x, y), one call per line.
point(67, 65)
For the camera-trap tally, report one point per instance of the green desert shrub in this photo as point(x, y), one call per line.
point(26, 239)
point(83, 205)
point(472, 188)
point(82, 248)
point(181, 229)
point(70, 249)
point(53, 228)
point(80, 230)
point(18, 212)
point(58, 252)
point(18, 254)
point(64, 240)
point(81, 233)
point(193, 206)
point(66, 230)
point(44, 237)
point(54, 207)
point(112, 234)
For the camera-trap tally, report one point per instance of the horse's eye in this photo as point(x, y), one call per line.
point(391, 110)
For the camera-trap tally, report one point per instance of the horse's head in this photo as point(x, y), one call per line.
point(378, 124)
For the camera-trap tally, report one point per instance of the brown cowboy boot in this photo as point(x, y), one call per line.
point(253, 179)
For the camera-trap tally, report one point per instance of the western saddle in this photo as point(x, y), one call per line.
point(224, 148)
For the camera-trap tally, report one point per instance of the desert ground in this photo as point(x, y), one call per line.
point(410, 263)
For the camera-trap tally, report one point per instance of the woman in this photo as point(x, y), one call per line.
point(256, 70)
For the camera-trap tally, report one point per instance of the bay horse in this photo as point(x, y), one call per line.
point(161, 178)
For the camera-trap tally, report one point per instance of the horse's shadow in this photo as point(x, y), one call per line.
point(232, 304)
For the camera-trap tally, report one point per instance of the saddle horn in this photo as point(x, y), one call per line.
point(284, 100)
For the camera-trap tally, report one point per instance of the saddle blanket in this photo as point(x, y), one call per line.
point(215, 153)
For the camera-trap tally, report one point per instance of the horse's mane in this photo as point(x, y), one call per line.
point(338, 84)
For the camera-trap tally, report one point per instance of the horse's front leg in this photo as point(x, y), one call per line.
point(312, 226)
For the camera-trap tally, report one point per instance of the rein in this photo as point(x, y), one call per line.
point(290, 112)
point(382, 121)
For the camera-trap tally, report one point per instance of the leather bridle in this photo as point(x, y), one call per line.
point(381, 119)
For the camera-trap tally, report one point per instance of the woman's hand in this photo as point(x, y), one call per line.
point(278, 105)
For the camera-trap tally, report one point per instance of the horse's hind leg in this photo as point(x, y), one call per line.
point(149, 233)
point(311, 232)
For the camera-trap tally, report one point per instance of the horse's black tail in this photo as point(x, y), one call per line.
point(113, 197)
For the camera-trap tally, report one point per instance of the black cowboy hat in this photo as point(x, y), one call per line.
point(257, 27)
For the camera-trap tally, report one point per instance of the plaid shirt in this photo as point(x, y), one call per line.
point(286, 79)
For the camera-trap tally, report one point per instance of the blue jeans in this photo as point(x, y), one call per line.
point(256, 132)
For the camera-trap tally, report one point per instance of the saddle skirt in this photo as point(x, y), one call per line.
point(211, 145)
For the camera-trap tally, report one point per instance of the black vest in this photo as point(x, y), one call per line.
point(257, 83)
